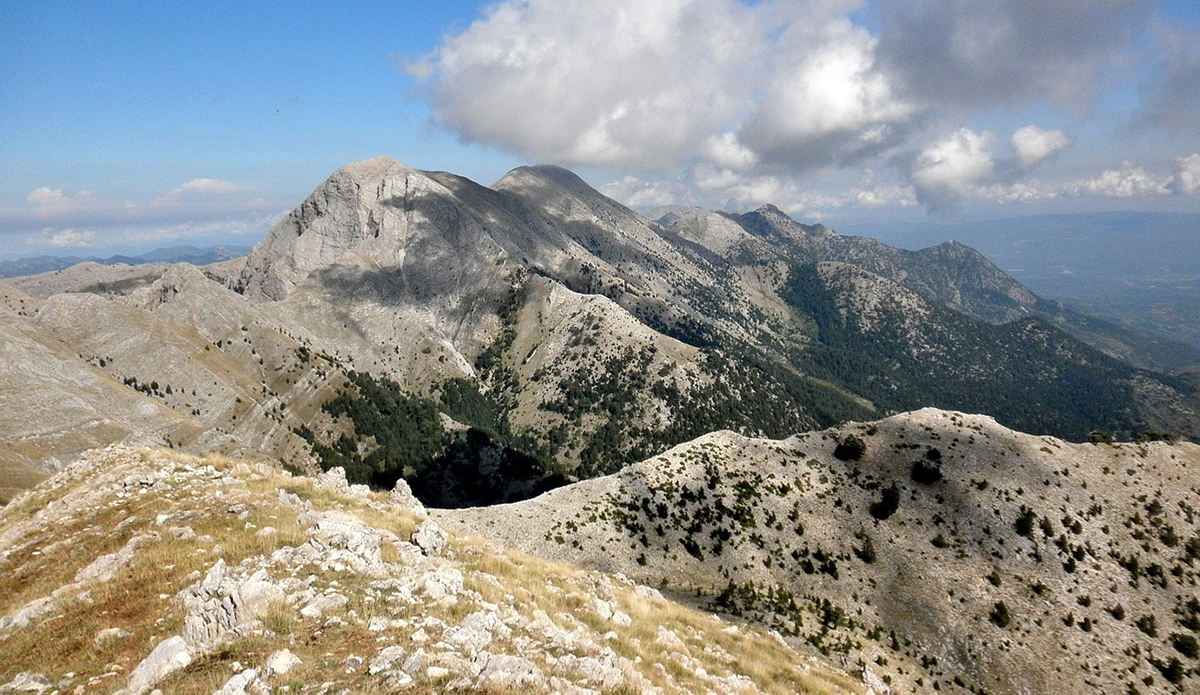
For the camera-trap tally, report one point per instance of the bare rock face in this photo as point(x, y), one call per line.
point(377, 214)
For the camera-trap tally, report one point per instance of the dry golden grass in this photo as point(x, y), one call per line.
point(556, 588)
point(140, 598)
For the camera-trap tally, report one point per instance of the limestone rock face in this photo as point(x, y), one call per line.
point(427, 235)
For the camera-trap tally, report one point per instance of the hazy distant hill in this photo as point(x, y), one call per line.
point(1138, 268)
point(171, 254)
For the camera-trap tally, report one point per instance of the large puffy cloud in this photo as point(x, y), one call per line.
point(622, 82)
point(946, 171)
point(988, 52)
point(827, 102)
point(1033, 145)
point(748, 102)
point(653, 84)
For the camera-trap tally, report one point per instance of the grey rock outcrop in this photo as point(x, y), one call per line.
point(169, 656)
point(430, 538)
point(402, 496)
point(27, 682)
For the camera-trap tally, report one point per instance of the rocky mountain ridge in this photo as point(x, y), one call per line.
point(946, 551)
point(204, 575)
point(493, 306)
point(488, 344)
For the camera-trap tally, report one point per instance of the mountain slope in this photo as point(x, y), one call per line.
point(139, 569)
point(892, 346)
point(536, 330)
point(944, 549)
point(959, 277)
point(57, 404)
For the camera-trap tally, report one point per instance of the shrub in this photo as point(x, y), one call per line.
point(1172, 670)
point(1185, 644)
point(888, 504)
point(1024, 523)
point(850, 449)
point(1000, 615)
point(866, 552)
point(924, 473)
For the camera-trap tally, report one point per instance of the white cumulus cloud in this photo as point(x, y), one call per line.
point(65, 238)
point(944, 173)
point(641, 195)
point(1187, 174)
point(577, 82)
point(1033, 145)
point(827, 102)
point(727, 150)
point(203, 185)
point(742, 102)
point(880, 196)
point(1124, 182)
point(195, 188)
point(52, 202)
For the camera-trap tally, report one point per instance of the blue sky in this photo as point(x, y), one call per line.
point(132, 125)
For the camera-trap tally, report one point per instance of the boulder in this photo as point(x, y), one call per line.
point(169, 656)
point(430, 538)
point(280, 662)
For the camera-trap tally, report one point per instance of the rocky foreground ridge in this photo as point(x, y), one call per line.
point(946, 551)
point(138, 570)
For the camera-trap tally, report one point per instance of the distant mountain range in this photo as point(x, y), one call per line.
point(556, 329)
point(170, 254)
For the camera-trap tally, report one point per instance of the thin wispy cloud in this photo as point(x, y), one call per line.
point(204, 207)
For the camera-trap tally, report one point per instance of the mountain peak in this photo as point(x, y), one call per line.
point(528, 179)
point(374, 166)
point(770, 209)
